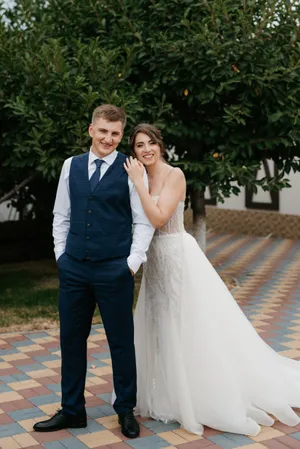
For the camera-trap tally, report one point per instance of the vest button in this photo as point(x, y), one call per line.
point(89, 225)
point(91, 197)
point(89, 211)
point(88, 237)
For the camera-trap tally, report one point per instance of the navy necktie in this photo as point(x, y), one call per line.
point(95, 178)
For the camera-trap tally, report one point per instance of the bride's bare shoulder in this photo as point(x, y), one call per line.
point(175, 175)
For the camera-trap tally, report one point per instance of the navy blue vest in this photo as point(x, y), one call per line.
point(101, 221)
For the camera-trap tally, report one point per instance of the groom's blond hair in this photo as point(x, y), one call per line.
point(110, 113)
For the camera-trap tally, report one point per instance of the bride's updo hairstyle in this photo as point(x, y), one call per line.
point(152, 132)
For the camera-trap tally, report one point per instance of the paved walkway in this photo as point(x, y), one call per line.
point(267, 286)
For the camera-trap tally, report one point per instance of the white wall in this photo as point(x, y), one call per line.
point(289, 198)
point(8, 213)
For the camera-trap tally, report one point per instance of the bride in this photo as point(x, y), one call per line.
point(199, 360)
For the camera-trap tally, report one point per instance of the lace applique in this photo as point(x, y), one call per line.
point(175, 224)
point(164, 260)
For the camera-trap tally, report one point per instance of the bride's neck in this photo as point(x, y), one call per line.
point(155, 169)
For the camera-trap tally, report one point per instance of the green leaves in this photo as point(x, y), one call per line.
point(216, 77)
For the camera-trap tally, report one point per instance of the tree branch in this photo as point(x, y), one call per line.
point(18, 187)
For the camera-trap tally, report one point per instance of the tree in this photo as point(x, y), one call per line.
point(220, 79)
point(231, 74)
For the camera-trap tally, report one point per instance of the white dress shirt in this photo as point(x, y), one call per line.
point(142, 229)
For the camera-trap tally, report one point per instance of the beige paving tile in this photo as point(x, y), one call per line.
point(108, 361)
point(24, 384)
point(187, 435)
point(9, 443)
point(172, 438)
point(53, 364)
point(91, 345)
point(263, 436)
point(50, 409)
point(41, 373)
point(10, 396)
point(295, 336)
point(110, 422)
point(25, 440)
point(291, 353)
point(5, 365)
point(31, 348)
point(261, 317)
point(28, 424)
point(257, 323)
point(294, 328)
point(102, 371)
point(96, 439)
point(11, 357)
point(96, 337)
point(292, 344)
point(90, 381)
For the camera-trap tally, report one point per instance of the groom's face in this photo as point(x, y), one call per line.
point(105, 135)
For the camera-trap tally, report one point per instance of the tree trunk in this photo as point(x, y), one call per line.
point(199, 218)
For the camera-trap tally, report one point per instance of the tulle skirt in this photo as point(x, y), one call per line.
point(199, 359)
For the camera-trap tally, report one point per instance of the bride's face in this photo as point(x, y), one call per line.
point(146, 150)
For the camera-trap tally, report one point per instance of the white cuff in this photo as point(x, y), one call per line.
point(58, 253)
point(134, 263)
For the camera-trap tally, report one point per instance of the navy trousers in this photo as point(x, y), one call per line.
point(83, 285)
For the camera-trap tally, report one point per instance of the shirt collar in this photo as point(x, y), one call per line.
point(109, 159)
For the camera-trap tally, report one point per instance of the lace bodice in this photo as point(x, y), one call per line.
point(176, 222)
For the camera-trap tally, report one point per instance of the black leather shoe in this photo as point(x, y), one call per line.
point(129, 425)
point(61, 421)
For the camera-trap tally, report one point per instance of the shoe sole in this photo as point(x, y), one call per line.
point(80, 426)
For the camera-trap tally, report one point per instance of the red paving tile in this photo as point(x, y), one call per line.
point(94, 401)
point(5, 419)
point(289, 441)
point(41, 391)
point(10, 406)
point(275, 444)
point(28, 393)
point(46, 380)
point(9, 371)
point(45, 437)
point(284, 428)
point(209, 432)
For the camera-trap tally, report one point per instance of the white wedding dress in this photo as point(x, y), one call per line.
point(199, 359)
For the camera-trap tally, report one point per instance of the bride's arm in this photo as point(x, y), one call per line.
point(158, 214)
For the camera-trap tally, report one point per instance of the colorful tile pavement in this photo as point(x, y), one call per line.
point(267, 287)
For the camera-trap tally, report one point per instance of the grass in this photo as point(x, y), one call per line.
point(29, 296)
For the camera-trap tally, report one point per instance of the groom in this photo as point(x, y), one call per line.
point(101, 235)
